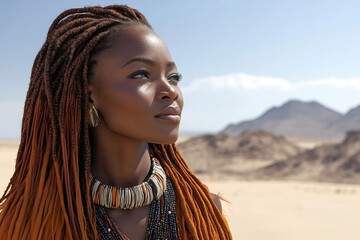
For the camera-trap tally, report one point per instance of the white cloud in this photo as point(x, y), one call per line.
point(252, 82)
point(347, 83)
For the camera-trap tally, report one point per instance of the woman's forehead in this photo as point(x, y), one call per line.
point(132, 41)
point(135, 39)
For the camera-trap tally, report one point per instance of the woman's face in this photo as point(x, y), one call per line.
point(135, 80)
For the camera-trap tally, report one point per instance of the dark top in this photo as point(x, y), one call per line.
point(161, 222)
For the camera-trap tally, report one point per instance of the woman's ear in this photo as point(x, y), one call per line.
point(93, 108)
point(91, 91)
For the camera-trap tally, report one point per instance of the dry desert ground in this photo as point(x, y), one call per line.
point(271, 210)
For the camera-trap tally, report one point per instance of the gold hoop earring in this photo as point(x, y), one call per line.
point(94, 116)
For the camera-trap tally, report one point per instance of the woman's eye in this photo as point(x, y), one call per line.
point(176, 76)
point(139, 75)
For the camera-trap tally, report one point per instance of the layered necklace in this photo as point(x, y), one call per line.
point(156, 190)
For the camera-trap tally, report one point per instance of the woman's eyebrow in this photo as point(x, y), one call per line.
point(170, 64)
point(140, 59)
point(147, 61)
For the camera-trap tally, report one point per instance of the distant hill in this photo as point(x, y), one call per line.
point(349, 121)
point(301, 119)
point(330, 163)
point(220, 152)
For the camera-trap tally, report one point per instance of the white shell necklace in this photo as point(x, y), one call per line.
point(130, 197)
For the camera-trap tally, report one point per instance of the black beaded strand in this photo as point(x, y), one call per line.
point(161, 224)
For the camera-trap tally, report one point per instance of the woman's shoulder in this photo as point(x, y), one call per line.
point(217, 201)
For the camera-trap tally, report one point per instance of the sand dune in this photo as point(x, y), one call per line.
point(270, 210)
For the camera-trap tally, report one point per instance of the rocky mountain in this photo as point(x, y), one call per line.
point(349, 121)
point(302, 120)
point(221, 152)
point(330, 163)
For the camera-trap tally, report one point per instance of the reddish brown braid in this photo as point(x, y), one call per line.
point(48, 194)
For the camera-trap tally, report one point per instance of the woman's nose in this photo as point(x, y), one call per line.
point(166, 90)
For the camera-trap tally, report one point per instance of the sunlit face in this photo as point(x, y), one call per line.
point(133, 82)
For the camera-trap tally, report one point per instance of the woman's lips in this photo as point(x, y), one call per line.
point(171, 114)
point(170, 118)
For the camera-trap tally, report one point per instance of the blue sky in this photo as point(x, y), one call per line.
point(237, 58)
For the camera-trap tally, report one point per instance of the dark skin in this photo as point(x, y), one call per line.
point(133, 80)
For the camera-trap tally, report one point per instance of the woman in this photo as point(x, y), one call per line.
point(97, 158)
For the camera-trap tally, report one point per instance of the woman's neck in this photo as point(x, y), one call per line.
point(118, 160)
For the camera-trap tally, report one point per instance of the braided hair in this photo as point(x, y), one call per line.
point(48, 196)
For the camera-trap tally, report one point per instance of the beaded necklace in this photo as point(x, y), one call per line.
point(161, 223)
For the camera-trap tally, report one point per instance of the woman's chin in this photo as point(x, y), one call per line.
point(169, 139)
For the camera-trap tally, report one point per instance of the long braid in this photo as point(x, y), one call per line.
point(48, 194)
point(198, 216)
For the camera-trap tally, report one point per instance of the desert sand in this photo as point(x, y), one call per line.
point(291, 210)
point(271, 210)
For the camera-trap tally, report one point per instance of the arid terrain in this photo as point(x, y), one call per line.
point(268, 209)
point(261, 155)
